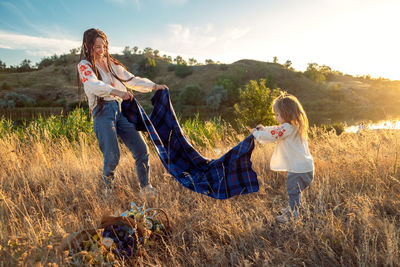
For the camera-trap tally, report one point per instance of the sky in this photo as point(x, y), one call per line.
point(356, 37)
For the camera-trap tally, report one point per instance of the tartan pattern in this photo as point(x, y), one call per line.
point(222, 178)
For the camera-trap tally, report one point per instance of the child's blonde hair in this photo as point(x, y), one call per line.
point(291, 111)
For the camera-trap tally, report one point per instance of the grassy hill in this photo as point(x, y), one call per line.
point(337, 98)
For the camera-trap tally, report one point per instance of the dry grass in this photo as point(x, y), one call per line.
point(350, 217)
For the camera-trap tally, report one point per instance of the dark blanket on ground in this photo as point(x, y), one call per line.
point(222, 178)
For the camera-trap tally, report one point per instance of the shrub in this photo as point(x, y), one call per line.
point(45, 62)
point(256, 104)
point(216, 96)
point(146, 67)
point(205, 133)
point(183, 70)
point(5, 86)
point(12, 100)
point(192, 95)
point(337, 127)
point(171, 67)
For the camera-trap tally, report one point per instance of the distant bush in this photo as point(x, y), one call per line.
point(192, 95)
point(183, 70)
point(15, 100)
point(46, 61)
point(216, 96)
point(231, 83)
point(62, 60)
point(171, 67)
point(337, 127)
point(146, 67)
point(223, 67)
point(5, 86)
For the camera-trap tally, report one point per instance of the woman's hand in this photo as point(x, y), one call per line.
point(159, 87)
point(253, 130)
point(121, 94)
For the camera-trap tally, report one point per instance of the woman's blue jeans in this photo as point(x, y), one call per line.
point(107, 125)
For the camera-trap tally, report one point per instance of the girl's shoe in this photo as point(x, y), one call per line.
point(285, 210)
point(148, 190)
point(284, 218)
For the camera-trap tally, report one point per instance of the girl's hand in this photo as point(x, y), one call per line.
point(159, 87)
point(253, 130)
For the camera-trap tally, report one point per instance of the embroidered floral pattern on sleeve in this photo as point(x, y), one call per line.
point(278, 131)
point(85, 71)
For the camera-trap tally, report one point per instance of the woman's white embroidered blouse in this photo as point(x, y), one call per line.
point(291, 151)
point(94, 87)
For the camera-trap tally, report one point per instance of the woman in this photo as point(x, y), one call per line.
point(105, 81)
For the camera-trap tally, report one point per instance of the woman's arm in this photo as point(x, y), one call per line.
point(91, 84)
point(143, 85)
point(272, 133)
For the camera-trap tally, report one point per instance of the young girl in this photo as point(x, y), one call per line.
point(105, 81)
point(291, 152)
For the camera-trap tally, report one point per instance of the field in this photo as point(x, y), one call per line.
point(50, 185)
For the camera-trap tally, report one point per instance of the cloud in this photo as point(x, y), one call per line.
point(41, 46)
point(201, 42)
point(199, 36)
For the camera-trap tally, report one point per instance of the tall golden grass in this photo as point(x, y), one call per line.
point(350, 216)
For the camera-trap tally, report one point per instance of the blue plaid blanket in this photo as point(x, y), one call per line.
point(222, 178)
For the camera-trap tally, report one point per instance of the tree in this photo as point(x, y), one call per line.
point(2, 65)
point(167, 59)
point(156, 53)
point(146, 67)
point(275, 60)
point(148, 51)
point(127, 51)
point(25, 65)
point(75, 51)
point(288, 65)
point(192, 61)
point(209, 61)
point(179, 60)
point(326, 71)
point(255, 106)
point(312, 72)
point(135, 49)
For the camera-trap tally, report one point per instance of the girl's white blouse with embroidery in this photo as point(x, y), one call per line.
point(291, 151)
point(94, 87)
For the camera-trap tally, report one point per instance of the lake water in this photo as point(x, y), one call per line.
point(380, 125)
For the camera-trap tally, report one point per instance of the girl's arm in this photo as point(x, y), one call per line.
point(91, 84)
point(273, 133)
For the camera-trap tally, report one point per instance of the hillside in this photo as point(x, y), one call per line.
point(337, 98)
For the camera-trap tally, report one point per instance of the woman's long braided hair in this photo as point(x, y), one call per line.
point(89, 38)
